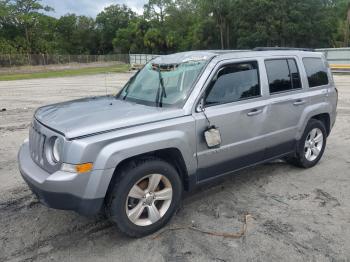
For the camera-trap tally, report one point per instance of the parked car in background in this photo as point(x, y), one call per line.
point(181, 121)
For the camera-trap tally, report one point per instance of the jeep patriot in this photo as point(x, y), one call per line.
point(181, 121)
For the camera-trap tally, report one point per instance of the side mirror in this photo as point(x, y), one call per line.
point(212, 137)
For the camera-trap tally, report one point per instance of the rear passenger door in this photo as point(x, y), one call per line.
point(287, 102)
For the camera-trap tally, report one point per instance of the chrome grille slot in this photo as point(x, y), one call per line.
point(36, 145)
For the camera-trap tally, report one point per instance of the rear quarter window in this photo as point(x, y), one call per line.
point(316, 71)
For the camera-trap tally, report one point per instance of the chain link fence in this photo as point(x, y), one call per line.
point(141, 59)
point(337, 56)
point(11, 60)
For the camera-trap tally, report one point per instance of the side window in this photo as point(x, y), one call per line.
point(283, 75)
point(316, 72)
point(233, 83)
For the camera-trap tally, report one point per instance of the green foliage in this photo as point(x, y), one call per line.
point(168, 26)
point(7, 47)
point(76, 35)
point(286, 23)
point(110, 21)
point(130, 39)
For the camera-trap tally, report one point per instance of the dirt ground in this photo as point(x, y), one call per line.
point(297, 215)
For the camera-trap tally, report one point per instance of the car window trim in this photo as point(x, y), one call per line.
point(291, 75)
point(240, 100)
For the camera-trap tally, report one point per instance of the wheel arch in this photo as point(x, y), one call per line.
point(170, 155)
point(319, 112)
point(325, 119)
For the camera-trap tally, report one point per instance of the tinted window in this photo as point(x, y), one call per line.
point(283, 75)
point(233, 83)
point(316, 71)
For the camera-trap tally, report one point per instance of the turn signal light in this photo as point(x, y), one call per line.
point(79, 168)
point(83, 168)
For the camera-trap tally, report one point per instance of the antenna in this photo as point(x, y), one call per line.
point(106, 83)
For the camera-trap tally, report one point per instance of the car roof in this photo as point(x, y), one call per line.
point(231, 54)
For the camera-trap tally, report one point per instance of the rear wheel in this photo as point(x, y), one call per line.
point(146, 196)
point(311, 146)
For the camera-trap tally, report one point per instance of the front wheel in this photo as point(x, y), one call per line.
point(311, 146)
point(145, 197)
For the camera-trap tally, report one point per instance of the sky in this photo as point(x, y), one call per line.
point(88, 7)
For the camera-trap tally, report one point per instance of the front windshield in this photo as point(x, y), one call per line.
point(162, 84)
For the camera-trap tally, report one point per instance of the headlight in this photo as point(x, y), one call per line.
point(54, 150)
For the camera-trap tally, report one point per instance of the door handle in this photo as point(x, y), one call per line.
point(255, 112)
point(299, 102)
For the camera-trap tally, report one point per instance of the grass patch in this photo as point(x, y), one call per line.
point(67, 72)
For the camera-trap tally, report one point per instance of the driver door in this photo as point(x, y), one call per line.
point(235, 106)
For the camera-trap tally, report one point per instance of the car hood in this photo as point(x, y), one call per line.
point(100, 114)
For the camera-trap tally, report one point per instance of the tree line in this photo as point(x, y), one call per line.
point(167, 26)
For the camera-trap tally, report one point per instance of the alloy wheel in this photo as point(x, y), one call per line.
point(149, 199)
point(313, 144)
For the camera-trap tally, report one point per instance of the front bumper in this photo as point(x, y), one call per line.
point(60, 190)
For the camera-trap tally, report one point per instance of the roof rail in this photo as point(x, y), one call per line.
point(282, 49)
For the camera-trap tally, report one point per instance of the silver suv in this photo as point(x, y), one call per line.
point(183, 120)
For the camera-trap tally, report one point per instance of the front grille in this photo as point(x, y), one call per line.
point(36, 145)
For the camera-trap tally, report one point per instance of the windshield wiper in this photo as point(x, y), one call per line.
point(126, 89)
point(161, 90)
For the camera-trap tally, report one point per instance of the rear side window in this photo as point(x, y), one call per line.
point(233, 83)
point(283, 75)
point(316, 71)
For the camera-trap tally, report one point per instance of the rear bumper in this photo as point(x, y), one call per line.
point(53, 191)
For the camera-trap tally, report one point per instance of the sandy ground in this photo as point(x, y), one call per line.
point(297, 215)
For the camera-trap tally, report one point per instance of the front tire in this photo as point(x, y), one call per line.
point(147, 194)
point(311, 146)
